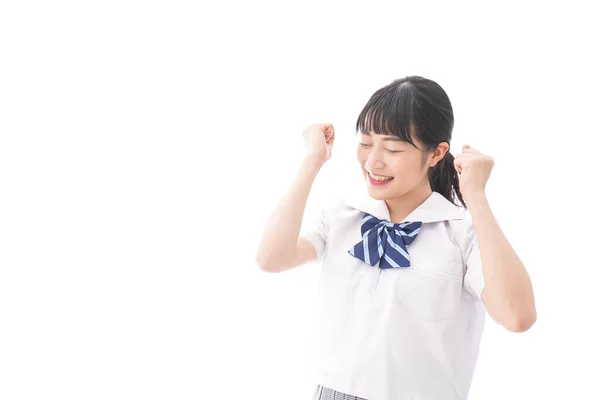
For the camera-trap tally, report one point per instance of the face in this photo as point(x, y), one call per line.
point(393, 167)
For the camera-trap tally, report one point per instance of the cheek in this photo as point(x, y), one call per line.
point(361, 155)
point(405, 166)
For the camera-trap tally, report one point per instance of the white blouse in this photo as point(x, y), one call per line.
point(398, 333)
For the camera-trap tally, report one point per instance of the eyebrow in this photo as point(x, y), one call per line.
point(387, 137)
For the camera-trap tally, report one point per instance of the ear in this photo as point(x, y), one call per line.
point(439, 153)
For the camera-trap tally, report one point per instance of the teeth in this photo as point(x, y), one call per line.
point(379, 178)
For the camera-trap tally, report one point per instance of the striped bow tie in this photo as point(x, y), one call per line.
point(385, 242)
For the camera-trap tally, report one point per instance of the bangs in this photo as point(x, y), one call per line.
point(388, 112)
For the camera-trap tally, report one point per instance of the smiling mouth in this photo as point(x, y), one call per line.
point(379, 178)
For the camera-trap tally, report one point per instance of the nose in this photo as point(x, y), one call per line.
point(374, 161)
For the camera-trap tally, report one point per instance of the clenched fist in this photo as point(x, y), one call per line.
point(475, 169)
point(319, 140)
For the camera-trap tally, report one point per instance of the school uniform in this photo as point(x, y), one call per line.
point(396, 332)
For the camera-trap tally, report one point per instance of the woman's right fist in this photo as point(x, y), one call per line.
point(319, 140)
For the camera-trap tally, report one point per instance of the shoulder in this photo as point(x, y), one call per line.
point(333, 205)
point(462, 230)
point(326, 210)
point(338, 209)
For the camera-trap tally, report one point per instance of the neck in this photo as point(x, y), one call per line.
point(400, 207)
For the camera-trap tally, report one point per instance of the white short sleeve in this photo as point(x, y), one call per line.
point(316, 229)
point(474, 282)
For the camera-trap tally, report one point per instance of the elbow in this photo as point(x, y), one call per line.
point(515, 313)
point(521, 321)
point(266, 265)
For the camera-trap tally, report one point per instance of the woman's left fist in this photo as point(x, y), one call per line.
point(474, 168)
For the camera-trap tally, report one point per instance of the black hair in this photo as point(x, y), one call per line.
point(422, 104)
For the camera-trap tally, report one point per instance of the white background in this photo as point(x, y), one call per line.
point(144, 145)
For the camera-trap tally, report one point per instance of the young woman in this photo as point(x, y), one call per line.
point(406, 275)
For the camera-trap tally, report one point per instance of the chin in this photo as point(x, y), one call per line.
point(377, 196)
point(385, 193)
point(378, 193)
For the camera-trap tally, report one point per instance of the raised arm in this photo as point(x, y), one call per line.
point(281, 247)
point(508, 292)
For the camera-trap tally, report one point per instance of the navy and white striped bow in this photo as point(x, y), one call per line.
point(385, 242)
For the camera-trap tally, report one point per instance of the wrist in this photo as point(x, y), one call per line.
point(314, 158)
point(472, 198)
point(313, 162)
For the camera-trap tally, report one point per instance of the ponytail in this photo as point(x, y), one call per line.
point(443, 178)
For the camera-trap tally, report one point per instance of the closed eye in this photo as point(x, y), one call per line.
point(389, 151)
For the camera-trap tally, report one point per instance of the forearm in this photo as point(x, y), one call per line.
point(508, 293)
point(282, 230)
